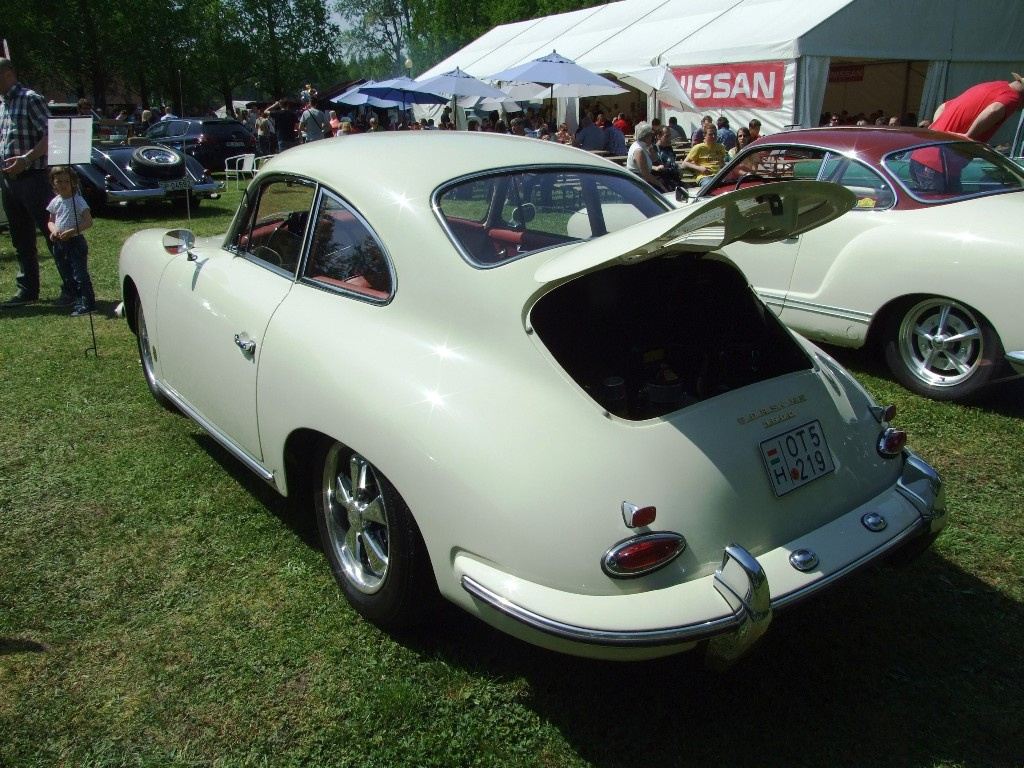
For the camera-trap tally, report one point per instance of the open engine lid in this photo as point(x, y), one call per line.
point(759, 214)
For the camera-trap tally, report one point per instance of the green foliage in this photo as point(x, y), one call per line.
point(188, 53)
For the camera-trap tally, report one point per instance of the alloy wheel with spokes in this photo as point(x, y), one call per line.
point(371, 541)
point(942, 349)
point(357, 519)
point(147, 356)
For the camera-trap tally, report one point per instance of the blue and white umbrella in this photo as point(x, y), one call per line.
point(353, 98)
point(402, 90)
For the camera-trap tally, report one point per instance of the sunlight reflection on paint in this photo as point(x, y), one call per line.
point(434, 398)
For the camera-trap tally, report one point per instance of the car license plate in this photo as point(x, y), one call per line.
point(236, 143)
point(796, 457)
point(176, 184)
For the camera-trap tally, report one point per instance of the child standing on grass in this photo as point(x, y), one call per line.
point(69, 217)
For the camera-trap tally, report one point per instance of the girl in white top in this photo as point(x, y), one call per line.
point(69, 217)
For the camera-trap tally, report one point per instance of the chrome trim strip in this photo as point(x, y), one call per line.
point(589, 635)
point(250, 462)
point(851, 315)
point(1016, 361)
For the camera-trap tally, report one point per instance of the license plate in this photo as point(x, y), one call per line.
point(796, 457)
point(176, 184)
point(235, 143)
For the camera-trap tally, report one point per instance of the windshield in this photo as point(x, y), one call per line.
point(497, 218)
point(789, 162)
point(943, 173)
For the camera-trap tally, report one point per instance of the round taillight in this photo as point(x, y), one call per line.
point(888, 413)
point(642, 554)
point(891, 442)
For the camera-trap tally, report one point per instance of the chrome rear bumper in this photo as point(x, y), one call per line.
point(742, 583)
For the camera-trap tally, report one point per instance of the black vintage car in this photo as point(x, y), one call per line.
point(129, 174)
point(129, 170)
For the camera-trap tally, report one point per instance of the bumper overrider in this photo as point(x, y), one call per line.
point(733, 607)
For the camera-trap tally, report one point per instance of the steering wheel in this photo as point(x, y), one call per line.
point(749, 177)
point(269, 255)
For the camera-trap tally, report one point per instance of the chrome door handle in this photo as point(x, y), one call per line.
point(249, 347)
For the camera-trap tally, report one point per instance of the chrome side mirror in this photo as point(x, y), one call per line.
point(524, 214)
point(179, 241)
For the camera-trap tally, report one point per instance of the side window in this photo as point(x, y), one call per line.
point(345, 254)
point(871, 189)
point(274, 229)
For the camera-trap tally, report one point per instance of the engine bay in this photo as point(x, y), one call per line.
point(649, 339)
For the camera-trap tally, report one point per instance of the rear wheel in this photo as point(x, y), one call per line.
point(941, 349)
point(371, 540)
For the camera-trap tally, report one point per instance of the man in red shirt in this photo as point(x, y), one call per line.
point(979, 111)
point(622, 123)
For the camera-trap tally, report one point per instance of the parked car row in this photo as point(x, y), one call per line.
point(520, 379)
point(173, 160)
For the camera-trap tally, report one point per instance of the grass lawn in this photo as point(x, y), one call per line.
point(159, 606)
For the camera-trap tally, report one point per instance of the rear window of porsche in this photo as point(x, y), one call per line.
point(502, 217)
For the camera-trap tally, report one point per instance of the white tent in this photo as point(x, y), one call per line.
point(783, 61)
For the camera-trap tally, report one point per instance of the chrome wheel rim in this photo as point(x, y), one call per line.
point(145, 350)
point(941, 343)
point(357, 520)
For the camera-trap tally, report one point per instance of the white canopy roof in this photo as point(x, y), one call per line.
point(632, 34)
point(963, 43)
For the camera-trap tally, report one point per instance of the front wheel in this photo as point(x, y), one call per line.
point(941, 349)
point(371, 540)
point(147, 355)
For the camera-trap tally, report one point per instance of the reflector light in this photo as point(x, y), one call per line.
point(642, 554)
point(888, 413)
point(891, 442)
point(637, 517)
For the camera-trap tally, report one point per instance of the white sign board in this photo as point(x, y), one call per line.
point(69, 140)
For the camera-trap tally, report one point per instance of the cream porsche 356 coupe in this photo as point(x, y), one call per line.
point(509, 373)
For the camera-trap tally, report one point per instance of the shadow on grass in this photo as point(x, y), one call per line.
point(12, 645)
point(915, 666)
point(44, 308)
point(156, 213)
point(1004, 396)
point(290, 511)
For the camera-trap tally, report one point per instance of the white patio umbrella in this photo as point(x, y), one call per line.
point(563, 77)
point(660, 82)
point(458, 85)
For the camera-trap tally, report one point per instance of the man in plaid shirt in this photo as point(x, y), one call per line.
point(26, 191)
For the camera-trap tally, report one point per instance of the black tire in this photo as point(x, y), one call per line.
point(371, 541)
point(941, 349)
point(158, 161)
point(146, 356)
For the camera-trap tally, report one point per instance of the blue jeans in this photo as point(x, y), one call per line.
point(25, 198)
point(73, 256)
